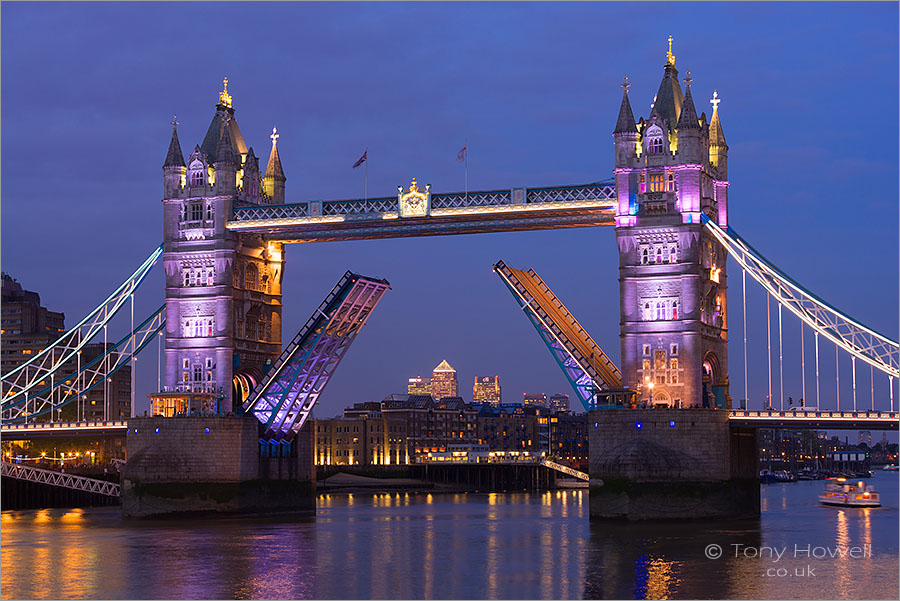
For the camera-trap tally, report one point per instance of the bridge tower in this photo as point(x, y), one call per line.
point(672, 276)
point(223, 289)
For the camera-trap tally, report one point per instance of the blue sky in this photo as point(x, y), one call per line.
point(809, 108)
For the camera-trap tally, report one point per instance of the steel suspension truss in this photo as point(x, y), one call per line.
point(61, 391)
point(54, 478)
point(587, 368)
point(285, 397)
point(860, 341)
point(19, 381)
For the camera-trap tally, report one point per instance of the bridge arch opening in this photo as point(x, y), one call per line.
point(243, 383)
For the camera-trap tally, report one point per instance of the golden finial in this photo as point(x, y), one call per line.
point(715, 101)
point(670, 58)
point(414, 187)
point(625, 84)
point(275, 135)
point(224, 96)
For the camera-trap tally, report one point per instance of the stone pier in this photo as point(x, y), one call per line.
point(671, 464)
point(185, 465)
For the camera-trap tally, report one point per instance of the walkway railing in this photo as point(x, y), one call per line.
point(54, 478)
point(566, 470)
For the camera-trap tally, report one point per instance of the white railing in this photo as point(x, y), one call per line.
point(54, 478)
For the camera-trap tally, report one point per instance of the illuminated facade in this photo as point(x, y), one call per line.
point(534, 399)
point(486, 390)
point(559, 402)
point(669, 168)
point(223, 288)
point(443, 381)
point(418, 385)
point(368, 439)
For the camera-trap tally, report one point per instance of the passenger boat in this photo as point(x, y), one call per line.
point(891, 468)
point(840, 493)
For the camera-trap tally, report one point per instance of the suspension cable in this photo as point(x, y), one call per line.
point(891, 384)
point(780, 361)
point(837, 377)
point(769, 354)
point(744, 306)
point(872, 380)
point(853, 363)
point(817, 369)
point(802, 363)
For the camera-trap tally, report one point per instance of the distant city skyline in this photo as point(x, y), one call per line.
point(91, 89)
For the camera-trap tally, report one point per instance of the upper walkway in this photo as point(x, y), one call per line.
point(816, 420)
point(22, 431)
point(442, 214)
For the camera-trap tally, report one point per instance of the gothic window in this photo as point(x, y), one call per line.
point(184, 212)
point(210, 276)
point(659, 257)
point(198, 373)
point(209, 363)
point(187, 277)
point(196, 211)
point(197, 172)
point(646, 350)
point(674, 309)
point(644, 256)
point(648, 316)
point(646, 364)
point(670, 182)
point(673, 252)
point(661, 379)
point(187, 376)
point(656, 182)
point(660, 359)
point(660, 310)
point(673, 364)
point(674, 377)
point(673, 349)
point(643, 183)
point(252, 277)
point(209, 211)
point(654, 140)
point(185, 363)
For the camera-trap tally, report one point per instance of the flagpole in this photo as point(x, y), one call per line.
point(367, 175)
point(466, 156)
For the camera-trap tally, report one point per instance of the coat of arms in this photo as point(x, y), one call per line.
point(414, 203)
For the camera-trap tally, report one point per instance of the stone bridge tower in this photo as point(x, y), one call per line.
point(672, 276)
point(223, 289)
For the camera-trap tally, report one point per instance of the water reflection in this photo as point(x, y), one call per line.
point(461, 546)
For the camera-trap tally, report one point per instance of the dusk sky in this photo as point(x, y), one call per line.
point(809, 109)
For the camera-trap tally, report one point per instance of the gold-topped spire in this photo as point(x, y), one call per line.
point(625, 84)
point(670, 58)
point(687, 80)
point(413, 187)
point(715, 101)
point(224, 96)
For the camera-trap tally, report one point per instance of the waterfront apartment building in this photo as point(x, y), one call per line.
point(559, 402)
point(366, 439)
point(27, 327)
point(511, 427)
point(569, 439)
point(443, 381)
point(534, 399)
point(430, 425)
point(418, 385)
point(487, 390)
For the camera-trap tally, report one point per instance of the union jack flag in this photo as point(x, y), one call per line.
point(362, 159)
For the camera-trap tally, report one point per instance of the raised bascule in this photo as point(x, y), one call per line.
point(225, 225)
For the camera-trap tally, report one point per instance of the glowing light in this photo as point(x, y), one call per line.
point(715, 101)
point(638, 425)
point(670, 58)
point(275, 135)
point(224, 96)
point(714, 274)
point(671, 424)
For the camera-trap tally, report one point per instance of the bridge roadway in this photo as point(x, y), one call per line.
point(454, 213)
point(796, 420)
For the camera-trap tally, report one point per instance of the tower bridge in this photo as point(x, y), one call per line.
point(226, 223)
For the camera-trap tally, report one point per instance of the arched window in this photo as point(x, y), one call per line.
point(670, 182)
point(659, 254)
point(660, 308)
point(654, 140)
point(673, 253)
point(197, 172)
point(674, 309)
point(644, 257)
point(209, 211)
point(252, 282)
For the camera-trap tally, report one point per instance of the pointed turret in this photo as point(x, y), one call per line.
point(250, 184)
point(688, 118)
point(226, 163)
point(718, 149)
point(223, 121)
point(626, 132)
point(174, 157)
point(690, 146)
point(667, 104)
point(274, 179)
point(625, 124)
point(173, 168)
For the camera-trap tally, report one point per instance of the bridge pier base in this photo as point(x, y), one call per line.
point(182, 465)
point(671, 464)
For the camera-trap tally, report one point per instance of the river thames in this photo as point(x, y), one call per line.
point(459, 546)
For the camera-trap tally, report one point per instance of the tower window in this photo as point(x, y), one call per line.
point(197, 177)
point(656, 180)
point(196, 211)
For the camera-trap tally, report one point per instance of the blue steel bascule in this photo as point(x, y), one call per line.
point(226, 221)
